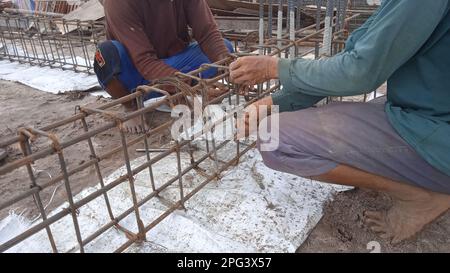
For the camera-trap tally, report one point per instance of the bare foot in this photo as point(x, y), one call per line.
point(134, 125)
point(408, 216)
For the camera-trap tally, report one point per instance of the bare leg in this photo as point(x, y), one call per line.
point(117, 90)
point(413, 207)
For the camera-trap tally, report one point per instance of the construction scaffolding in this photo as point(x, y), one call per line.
point(210, 163)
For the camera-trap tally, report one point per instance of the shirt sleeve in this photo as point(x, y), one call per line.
point(395, 34)
point(204, 29)
point(126, 25)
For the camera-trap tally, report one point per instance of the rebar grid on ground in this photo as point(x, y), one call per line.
point(58, 147)
point(49, 41)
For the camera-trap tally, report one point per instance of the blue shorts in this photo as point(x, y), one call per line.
point(113, 61)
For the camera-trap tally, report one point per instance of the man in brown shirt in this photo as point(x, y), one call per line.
point(150, 39)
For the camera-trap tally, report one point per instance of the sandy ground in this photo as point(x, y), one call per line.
point(24, 106)
point(341, 230)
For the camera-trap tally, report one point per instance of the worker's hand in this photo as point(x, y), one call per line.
point(254, 70)
point(245, 126)
point(217, 90)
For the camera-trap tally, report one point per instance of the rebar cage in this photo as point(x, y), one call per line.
point(206, 163)
point(48, 41)
point(54, 6)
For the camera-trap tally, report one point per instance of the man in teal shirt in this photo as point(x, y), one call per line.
point(402, 146)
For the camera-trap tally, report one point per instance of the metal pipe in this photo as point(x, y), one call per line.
point(291, 14)
point(328, 34)
point(318, 17)
point(261, 26)
point(280, 21)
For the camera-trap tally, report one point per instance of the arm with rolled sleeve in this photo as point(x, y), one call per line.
point(395, 34)
point(205, 30)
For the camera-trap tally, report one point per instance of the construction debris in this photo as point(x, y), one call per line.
point(90, 11)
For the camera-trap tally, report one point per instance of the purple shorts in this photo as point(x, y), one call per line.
point(315, 141)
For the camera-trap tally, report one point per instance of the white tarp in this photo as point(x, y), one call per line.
point(251, 209)
point(47, 79)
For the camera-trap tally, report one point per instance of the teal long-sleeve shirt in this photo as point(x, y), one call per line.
point(407, 44)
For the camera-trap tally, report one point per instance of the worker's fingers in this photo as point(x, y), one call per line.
point(236, 64)
point(234, 68)
point(235, 74)
point(244, 90)
point(221, 86)
point(216, 92)
point(242, 130)
point(238, 74)
point(245, 79)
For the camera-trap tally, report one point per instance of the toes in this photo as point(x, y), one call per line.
point(129, 130)
point(385, 236)
point(399, 237)
point(376, 226)
point(143, 129)
point(378, 229)
point(374, 223)
point(374, 215)
point(374, 218)
point(397, 240)
point(403, 233)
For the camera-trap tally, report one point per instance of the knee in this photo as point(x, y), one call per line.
point(292, 140)
point(271, 141)
point(270, 158)
point(106, 62)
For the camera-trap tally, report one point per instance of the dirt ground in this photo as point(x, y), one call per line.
point(22, 106)
point(341, 229)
